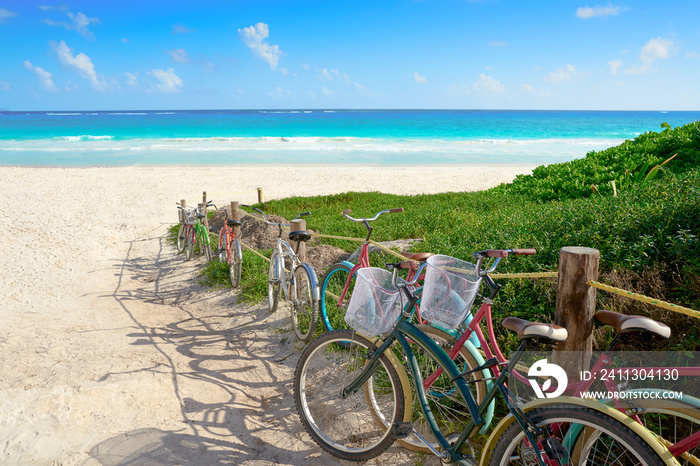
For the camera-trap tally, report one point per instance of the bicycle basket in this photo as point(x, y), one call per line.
point(375, 303)
point(448, 291)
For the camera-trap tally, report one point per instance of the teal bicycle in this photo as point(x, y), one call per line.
point(350, 398)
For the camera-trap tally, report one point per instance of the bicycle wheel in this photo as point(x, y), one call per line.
point(304, 309)
point(223, 247)
point(274, 278)
point(181, 239)
point(332, 285)
point(601, 440)
point(446, 403)
point(206, 243)
point(235, 263)
point(671, 420)
point(346, 428)
point(190, 240)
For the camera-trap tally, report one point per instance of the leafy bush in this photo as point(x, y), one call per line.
point(584, 177)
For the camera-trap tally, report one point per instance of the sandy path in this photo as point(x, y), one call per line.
point(111, 351)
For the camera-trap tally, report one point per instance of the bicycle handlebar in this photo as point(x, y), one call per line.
point(346, 214)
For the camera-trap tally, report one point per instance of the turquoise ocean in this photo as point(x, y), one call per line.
point(373, 137)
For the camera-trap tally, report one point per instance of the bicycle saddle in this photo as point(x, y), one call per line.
point(301, 235)
point(625, 324)
point(527, 329)
point(233, 223)
point(417, 256)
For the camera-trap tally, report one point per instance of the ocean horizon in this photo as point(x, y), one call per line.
point(317, 136)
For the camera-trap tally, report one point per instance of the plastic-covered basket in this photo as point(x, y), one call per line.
point(375, 303)
point(448, 291)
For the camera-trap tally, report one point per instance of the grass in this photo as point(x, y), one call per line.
point(648, 236)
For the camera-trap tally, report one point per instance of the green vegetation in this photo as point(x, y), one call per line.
point(648, 235)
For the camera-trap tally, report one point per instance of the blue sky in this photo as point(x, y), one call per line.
point(507, 54)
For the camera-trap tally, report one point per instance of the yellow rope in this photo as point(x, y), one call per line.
point(254, 251)
point(525, 275)
point(646, 299)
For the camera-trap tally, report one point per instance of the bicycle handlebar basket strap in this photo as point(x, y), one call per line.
point(375, 303)
point(448, 291)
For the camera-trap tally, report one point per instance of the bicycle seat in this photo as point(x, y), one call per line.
point(527, 329)
point(417, 256)
point(301, 235)
point(626, 324)
point(233, 223)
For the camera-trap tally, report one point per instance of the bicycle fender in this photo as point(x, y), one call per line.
point(640, 430)
point(347, 264)
point(476, 354)
point(315, 289)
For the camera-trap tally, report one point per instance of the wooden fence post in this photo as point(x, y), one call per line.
point(204, 200)
point(297, 225)
point(181, 213)
point(260, 196)
point(236, 215)
point(575, 308)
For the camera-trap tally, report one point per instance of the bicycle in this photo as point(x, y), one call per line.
point(680, 427)
point(338, 282)
point(298, 285)
point(350, 400)
point(230, 250)
point(186, 232)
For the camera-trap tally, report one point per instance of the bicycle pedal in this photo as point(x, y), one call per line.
point(402, 429)
point(554, 448)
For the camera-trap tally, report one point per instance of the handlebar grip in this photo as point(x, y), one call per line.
point(497, 253)
point(243, 205)
point(304, 214)
point(258, 210)
point(525, 252)
point(397, 210)
point(346, 212)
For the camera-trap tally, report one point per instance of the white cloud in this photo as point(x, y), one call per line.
point(614, 65)
point(588, 12)
point(6, 14)
point(80, 63)
point(132, 79)
point(692, 55)
point(333, 75)
point(254, 37)
point(327, 92)
point(167, 81)
point(656, 49)
point(45, 78)
point(180, 29)
point(5, 86)
point(419, 79)
point(568, 73)
point(489, 85)
point(79, 23)
point(178, 55)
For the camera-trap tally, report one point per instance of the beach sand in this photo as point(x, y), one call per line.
point(112, 352)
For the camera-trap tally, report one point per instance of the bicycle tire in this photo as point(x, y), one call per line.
point(446, 404)
point(235, 263)
point(346, 428)
point(224, 251)
point(206, 241)
point(671, 420)
point(273, 282)
point(603, 441)
point(303, 308)
point(190, 240)
point(333, 316)
point(181, 238)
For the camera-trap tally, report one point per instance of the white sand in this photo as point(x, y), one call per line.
point(111, 351)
